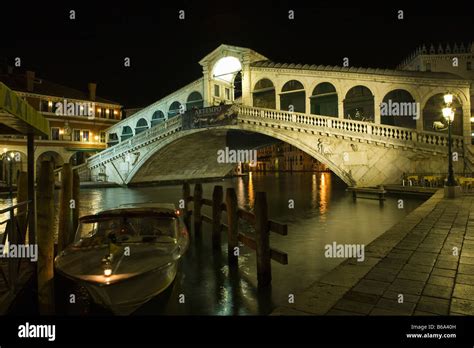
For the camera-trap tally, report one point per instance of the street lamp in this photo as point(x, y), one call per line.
point(448, 114)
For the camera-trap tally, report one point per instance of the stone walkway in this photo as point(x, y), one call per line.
point(428, 258)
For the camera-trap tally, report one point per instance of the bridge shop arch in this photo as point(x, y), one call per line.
point(142, 125)
point(263, 94)
point(174, 109)
point(400, 109)
point(432, 112)
point(157, 117)
point(194, 101)
point(127, 132)
point(293, 97)
point(324, 100)
point(359, 104)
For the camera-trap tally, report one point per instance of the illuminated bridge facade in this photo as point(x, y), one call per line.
point(369, 126)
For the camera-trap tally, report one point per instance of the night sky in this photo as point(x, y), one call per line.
point(165, 51)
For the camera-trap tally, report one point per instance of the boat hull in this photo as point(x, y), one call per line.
point(123, 298)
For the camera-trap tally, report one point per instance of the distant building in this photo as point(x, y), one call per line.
point(454, 58)
point(283, 157)
point(77, 120)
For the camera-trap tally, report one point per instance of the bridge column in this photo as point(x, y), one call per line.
point(308, 105)
point(377, 102)
point(207, 96)
point(419, 122)
point(277, 101)
point(246, 83)
point(340, 109)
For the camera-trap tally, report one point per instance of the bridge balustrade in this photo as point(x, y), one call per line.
point(343, 127)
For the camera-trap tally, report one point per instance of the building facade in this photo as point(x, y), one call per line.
point(284, 157)
point(77, 120)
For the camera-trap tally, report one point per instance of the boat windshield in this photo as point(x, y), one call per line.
point(127, 229)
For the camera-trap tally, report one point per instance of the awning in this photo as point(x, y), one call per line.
point(81, 149)
point(19, 117)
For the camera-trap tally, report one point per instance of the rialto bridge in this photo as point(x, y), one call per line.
point(369, 126)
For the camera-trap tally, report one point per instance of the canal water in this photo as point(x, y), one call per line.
point(318, 212)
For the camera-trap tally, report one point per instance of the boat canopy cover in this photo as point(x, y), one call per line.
point(127, 226)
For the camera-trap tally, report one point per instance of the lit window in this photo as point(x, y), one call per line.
point(44, 106)
point(102, 137)
point(54, 133)
point(76, 135)
point(85, 135)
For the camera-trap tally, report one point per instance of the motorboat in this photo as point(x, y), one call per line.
point(127, 255)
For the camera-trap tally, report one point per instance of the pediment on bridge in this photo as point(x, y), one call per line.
point(245, 55)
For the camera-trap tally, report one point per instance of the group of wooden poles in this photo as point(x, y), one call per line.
point(259, 241)
point(69, 215)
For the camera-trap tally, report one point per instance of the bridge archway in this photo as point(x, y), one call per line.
point(399, 109)
point(227, 79)
point(226, 68)
point(305, 144)
point(293, 97)
point(55, 158)
point(432, 112)
point(174, 109)
point(126, 133)
point(142, 125)
point(359, 104)
point(324, 100)
point(157, 117)
point(264, 94)
point(113, 139)
point(194, 101)
point(237, 85)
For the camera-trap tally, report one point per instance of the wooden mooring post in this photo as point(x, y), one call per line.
point(232, 226)
point(197, 204)
point(217, 198)
point(76, 184)
point(65, 226)
point(260, 242)
point(22, 196)
point(186, 198)
point(262, 238)
point(45, 238)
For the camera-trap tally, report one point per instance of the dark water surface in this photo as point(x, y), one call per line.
point(323, 213)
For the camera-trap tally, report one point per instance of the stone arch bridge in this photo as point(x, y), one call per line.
point(360, 153)
point(342, 116)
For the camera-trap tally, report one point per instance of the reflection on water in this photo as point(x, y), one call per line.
point(324, 192)
point(323, 213)
point(251, 193)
